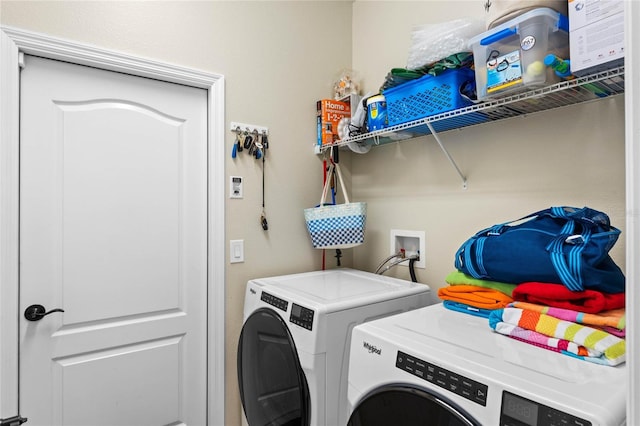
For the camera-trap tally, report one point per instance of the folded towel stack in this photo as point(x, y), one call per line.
point(475, 296)
point(589, 325)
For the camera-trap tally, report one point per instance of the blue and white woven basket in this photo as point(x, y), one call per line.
point(336, 226)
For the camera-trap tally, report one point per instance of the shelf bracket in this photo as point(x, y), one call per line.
point(453, 163)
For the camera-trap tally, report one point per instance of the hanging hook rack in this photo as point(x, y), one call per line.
point(255, 140)
point(249, 128)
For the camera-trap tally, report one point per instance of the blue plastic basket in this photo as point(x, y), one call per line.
point(427, 96)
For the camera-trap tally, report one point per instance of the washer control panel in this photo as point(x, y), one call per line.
point(519, 411)
point(453, 382)
point(301, 316)
point(274, 301)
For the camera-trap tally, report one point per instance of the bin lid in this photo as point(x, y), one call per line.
point(556, 20)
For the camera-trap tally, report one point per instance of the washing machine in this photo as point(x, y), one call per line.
point(293, 351)
point(434, 366)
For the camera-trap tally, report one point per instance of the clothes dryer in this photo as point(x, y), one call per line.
point(293, 351)
point(434, 366)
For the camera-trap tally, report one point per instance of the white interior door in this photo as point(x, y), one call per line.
point(113, 230)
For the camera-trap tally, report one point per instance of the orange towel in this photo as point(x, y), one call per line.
point(478, 297)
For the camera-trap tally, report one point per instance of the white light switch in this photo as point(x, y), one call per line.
point(236, 251)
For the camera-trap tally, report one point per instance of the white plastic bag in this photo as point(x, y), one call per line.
point(433, 42)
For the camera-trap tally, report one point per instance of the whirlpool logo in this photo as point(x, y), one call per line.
point(372, 349)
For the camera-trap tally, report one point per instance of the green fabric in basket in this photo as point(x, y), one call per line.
point(398, 76)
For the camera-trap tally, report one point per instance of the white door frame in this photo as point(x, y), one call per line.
point(632, 138)
point(14, 43)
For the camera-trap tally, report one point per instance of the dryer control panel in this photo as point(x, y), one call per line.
point(301, 316)
point(274, 301)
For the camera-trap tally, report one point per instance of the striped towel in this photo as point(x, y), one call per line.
point(550, 343)
point(592, 345)
point(613, 321)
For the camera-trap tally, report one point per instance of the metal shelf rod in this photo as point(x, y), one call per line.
point(449, 157)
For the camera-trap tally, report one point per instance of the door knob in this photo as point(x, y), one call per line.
point(36, 312)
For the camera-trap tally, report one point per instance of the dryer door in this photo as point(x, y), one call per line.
point(273, 387)
point(404, 405)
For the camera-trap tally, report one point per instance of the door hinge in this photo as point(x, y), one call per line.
point(13, 421)
point(21, 60)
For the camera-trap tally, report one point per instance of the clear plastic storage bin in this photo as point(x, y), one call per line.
point(509, 57)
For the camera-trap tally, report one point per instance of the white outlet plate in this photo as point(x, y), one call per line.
point(413, 242)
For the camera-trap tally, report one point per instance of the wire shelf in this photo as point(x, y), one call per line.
point(571, 92)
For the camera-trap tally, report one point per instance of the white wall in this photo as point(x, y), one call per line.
point(277, 59)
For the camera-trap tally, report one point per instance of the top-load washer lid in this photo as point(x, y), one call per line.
point(338, 289)
point(465, 346)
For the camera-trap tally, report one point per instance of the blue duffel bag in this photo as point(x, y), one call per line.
point(566, 245)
